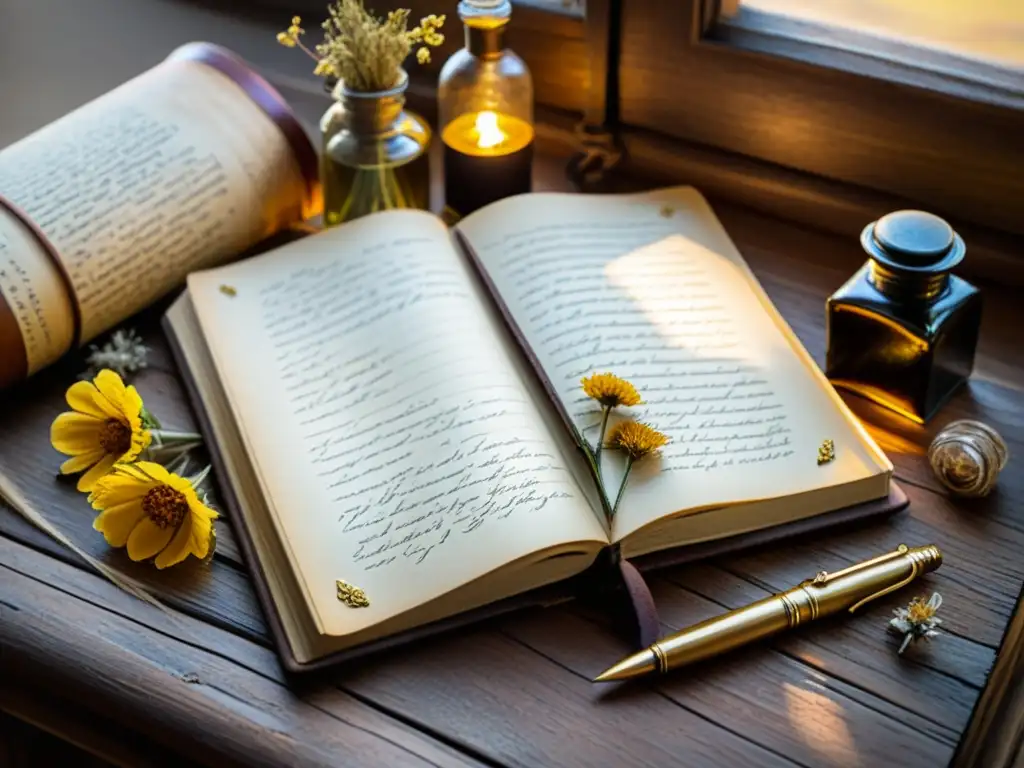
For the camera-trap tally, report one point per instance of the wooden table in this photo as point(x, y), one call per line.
point(140, 686)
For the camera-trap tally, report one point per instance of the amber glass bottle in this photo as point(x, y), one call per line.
point(485, 109)
point(903, 330)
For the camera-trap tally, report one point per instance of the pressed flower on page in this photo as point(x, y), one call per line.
point(638, 441)
point(610, 391)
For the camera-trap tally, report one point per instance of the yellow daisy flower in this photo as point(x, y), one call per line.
point(610, 391)
point(154, 513)
point(105, 427)
point(636, 439)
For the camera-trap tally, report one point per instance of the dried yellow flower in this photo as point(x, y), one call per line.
point(917, 621)
point(636, 439)
point(610, 390)
point(366, 52)
point(919, 611)
point(290, 38)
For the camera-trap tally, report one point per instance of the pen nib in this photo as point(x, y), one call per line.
point(632, 666)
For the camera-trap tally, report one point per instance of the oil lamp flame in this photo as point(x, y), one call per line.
point(488, 133)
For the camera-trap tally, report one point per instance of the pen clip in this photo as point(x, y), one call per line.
point(915, 570)
point(824, 577)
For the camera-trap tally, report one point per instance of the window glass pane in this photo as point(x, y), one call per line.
point(988, 31)
point(572, 7)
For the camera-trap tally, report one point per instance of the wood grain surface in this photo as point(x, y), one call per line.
point(202, 679)
point(199, 680)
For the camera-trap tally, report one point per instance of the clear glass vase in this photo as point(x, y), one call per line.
point(374, 155)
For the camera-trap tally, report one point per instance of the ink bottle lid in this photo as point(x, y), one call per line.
point(912, 253)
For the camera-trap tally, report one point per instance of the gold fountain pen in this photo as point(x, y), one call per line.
point(825, 594)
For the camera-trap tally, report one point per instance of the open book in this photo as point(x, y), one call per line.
point(378, 422)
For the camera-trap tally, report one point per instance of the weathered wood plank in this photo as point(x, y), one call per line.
point(772, 699)
point(504, 702)
point(221, 594)
point(79, 737)
point(981, 563)
point(490, 692)
point(858, 651)
point(186, 685)
point(939, 691)
point(22, 746)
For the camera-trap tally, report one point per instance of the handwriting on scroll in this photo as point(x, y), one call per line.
point(655, 316)
point(17, 287)
point(118, 188)
point(419, 437)
point(128, 203)
point(175, 171)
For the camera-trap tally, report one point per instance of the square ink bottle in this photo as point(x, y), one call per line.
point(902, 331)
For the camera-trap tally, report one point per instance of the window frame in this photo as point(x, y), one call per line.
point(994, 736)
point(631, 65)
point(955, 153)
point(865, 54)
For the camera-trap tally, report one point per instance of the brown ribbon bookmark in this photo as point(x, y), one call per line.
point(648, 625)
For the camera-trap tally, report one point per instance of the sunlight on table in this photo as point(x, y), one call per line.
point(819, 721)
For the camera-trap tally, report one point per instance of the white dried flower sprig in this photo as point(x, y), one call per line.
point(124, 353)
point(917, 620)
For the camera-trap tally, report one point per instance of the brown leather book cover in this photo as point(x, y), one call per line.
point(638, 595)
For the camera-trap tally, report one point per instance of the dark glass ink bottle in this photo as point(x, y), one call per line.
point(903, 330)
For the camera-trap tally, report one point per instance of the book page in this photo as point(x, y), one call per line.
point(649, 287)
point(397, 445)
point(175, 170)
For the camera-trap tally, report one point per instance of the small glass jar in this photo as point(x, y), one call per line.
point(374, 156)
point(485, 108)
point(902, 331)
